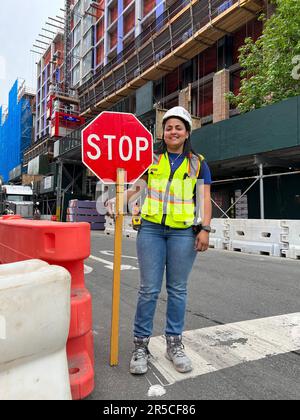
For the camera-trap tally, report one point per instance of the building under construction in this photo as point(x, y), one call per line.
point(16, 130)
point(147, 56)
point(57, 115)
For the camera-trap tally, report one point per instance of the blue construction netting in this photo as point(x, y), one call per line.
point(26, 126)
point(15, 132)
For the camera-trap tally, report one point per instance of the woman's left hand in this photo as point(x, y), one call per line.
point(202, 241)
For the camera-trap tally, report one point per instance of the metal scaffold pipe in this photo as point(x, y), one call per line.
point(68, 45)
point(261, 191)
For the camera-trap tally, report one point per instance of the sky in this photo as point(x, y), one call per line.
point(20, 23)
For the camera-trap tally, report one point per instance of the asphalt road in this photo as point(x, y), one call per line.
point(225, 287)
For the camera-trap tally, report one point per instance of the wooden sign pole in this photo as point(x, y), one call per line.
point(114, 343)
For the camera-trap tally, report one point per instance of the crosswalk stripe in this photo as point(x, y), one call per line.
point(110, 264)
point(223, 346)
point(88, 269)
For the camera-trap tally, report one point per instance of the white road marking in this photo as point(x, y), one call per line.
point(111, 254)
point(110, 265)
point(220, 347)
point(88, 269)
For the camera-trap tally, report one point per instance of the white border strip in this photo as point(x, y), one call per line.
point(220, 347)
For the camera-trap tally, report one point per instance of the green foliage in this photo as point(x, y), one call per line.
point(270, 72)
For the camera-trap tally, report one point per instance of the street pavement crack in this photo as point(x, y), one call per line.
point(205, 317)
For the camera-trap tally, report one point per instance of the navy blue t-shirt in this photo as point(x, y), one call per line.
point(204, 174)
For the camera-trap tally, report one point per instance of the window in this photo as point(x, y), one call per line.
point(148, 6)
point(87, 42)
point(76, 75)
point(76, 55)
point(100, 29)
point(113, 13)
point(76, 35)
point(77, 12)
point(87, 22)
point(100, 54)
point(113, 38)
point(87, 63)
point(129, 21)
point(86, 4)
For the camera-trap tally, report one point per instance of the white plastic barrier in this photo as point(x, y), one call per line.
point(35, 318)
point(256, 236)
point(46, 217)
point(128, 230)
point(292, 238)
point(219, 236)
point(109, 226)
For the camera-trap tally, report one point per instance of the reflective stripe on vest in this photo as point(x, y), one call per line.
point(170, 197)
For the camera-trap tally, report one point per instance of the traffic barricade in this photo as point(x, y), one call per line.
point(34, 326)
point(219, 236)
point(255, 236)
point(128, 230)
point(67, 245)
point(292, 238)
point(109, 226)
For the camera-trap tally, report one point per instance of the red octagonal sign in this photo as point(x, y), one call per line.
point(117, 140)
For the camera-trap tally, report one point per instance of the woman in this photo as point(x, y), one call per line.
point(170, 236)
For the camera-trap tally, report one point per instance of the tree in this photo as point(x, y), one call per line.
point(271, 65)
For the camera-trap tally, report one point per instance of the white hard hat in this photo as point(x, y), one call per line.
point(179, 112)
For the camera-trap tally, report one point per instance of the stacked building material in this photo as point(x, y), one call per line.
point(86, 211)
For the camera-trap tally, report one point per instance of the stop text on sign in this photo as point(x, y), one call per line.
point(128, 148)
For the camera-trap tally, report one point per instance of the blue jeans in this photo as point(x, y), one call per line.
point(159, 248)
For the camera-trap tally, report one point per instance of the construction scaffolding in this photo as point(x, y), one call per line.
point(261, 178)
point(26, 126)
point(15, 130)
point(67, 46)
point(179, 34)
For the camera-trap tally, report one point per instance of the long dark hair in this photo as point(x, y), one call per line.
point(187, 149)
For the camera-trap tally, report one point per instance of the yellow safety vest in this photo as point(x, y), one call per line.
point(170, 198)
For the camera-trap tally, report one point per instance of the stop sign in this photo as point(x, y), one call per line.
point(117, 140)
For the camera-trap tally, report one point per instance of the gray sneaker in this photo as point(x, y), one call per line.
point(140, 356)
point(176, 354)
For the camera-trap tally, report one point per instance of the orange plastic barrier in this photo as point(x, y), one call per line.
point(65, 244)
